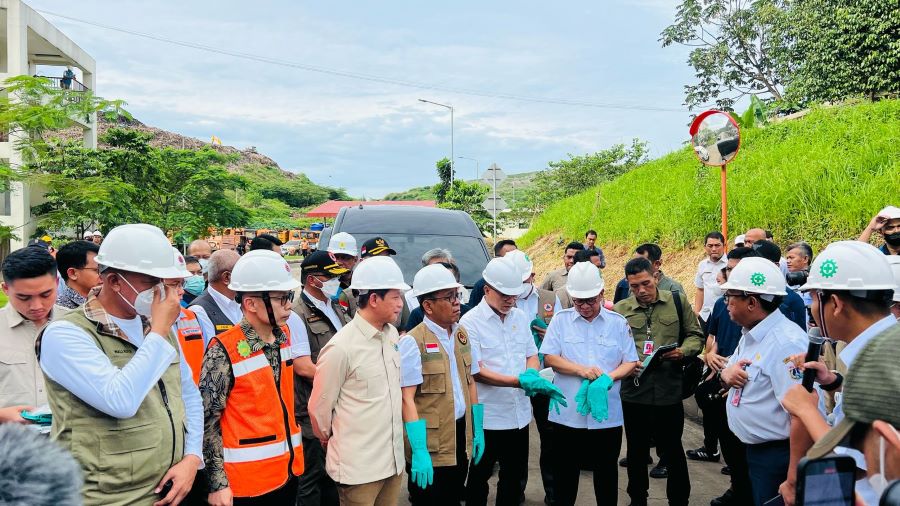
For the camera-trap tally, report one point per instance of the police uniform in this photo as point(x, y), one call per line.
point(604, 342)
point(755, 414)
point(322, 320)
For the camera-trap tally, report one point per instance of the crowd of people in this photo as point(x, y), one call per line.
point(223, 378)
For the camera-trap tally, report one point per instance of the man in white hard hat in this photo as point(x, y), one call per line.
point(120, 392)
point(97, 237)
point(502, 344)
point(540, 305)
point(851, 285)
point(343, 246)
point(440, 400)
point(886, 223)
point(252, 443)
point(355, 404)
point(760, 372)
point(590, 349)
point(88, 236)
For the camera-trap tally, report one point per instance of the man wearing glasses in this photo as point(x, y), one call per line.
point(440, 402)
point(252, 443)
point(591, 350)
point(652, 403)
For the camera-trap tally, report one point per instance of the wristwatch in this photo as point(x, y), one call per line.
point(834, 385)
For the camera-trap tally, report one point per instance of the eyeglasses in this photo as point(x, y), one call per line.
point(97, 269)
point(742, 295)
point(174, 284)
point(282, 299)
point(452, 298)
point(585, 302)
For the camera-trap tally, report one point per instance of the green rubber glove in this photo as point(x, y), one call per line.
point(581, 398)
point(421, 470)
point(540, 323)
point(554, 405)
point(477, 432)
point(598, 397)
point(534, 384)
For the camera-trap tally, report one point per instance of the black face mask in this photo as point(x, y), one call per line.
point(893, 239)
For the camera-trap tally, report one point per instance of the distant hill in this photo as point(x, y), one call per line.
point(510, 189)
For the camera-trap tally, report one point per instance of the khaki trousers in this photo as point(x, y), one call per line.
point(384, 492)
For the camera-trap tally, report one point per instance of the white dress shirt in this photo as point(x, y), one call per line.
point(605, 342)
point(229, 307)
point(411, 363)
point(327, 309)
point(759, 417)
point(849, 353)
point(70, 357)
point(412, 301)
point(706, 280)
point(502, 346)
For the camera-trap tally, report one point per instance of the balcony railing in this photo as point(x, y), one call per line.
point(66, 84)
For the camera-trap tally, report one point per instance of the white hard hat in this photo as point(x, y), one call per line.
point(740, 239)
point(181, 265)
point(850, 265)
point(97, 232)
point(522, 262)
point(140, 248)
point(584, 281)
point(894, 260)
point(432, 278)
point(87, 234)
point(503, 276)
point(378, 273)
point(756, 275)
point(262, 270)
point(344, 243)
point(891, 212)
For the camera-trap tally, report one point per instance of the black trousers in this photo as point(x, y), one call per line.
point(284, 495)
point(510, 448)
point(449, 481)
point(713, 408)
point(315, 487)
point(596, 450)
point(540, 406)
point(666, 425)
point(733, 451)
point(768, 465)
point(199, 491)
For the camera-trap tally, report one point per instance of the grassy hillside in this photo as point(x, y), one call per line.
point(819, 178)
point(510, 189)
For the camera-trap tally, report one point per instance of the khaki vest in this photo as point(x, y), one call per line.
point(546, 303)
point(123, 459)
point(434, 397)
point(320, 331)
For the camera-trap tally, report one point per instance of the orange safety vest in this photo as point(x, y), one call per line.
point(190, 336)
point(260, 437)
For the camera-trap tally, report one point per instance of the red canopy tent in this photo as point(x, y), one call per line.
point(330, 209)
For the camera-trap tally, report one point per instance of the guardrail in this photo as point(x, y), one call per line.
point(66, 84)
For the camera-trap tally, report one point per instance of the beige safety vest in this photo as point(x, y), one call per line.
point(434, 397)
point(123, 459)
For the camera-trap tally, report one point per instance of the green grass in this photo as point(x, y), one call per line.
point(3, 299)
point(293, 257)
point(819, 178)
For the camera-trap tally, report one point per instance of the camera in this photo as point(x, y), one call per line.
point(796, 278)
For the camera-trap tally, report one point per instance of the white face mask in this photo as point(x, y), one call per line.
point(204, 264)
point(716, 291)
point(872, 487)
point(331, 288)
point(144, 300)
point(527, 293)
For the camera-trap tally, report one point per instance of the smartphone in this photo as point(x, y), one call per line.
point(167, 487)
point(828, 481)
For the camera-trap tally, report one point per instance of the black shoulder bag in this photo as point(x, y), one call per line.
point(691, 367)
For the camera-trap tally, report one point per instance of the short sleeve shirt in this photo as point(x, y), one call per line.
point(706, 280)
point(604, 342)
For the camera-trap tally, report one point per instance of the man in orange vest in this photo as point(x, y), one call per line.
point(252, 444)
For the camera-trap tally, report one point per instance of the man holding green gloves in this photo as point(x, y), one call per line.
point(504, 349)
point(443, 419)
point(590, 349)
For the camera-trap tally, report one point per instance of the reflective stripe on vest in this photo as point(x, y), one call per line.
point(263, 452)
point(190, 336)
point(261, 442)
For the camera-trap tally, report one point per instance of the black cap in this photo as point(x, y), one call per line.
point(374, 247)
point(321, 262)
point(768, 250)
point(38, 243)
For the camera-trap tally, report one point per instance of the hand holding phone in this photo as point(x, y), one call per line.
point(828, 481)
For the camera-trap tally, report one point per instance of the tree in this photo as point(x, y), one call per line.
point(444, 174)
point(468, 197)
point(840, 48)
point(736, 44)
point(569, 177)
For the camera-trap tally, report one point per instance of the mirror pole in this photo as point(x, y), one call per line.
point(725, 203)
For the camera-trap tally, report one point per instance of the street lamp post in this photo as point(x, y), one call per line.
point(451, 132)
point(476, 165)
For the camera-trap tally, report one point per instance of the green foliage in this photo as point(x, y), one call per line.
point(295, 190)
point(819, 178)
point(735, 46)
point(443, 169)
point(417, 193)
point(755, 115)
point(841, 48)
point(468, 197)
point(568, 177)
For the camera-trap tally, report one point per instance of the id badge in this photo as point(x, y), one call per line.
point(648, 347)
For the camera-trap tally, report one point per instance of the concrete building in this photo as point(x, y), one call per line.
point(28, 40)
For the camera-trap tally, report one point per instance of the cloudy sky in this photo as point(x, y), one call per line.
point(373, 137)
